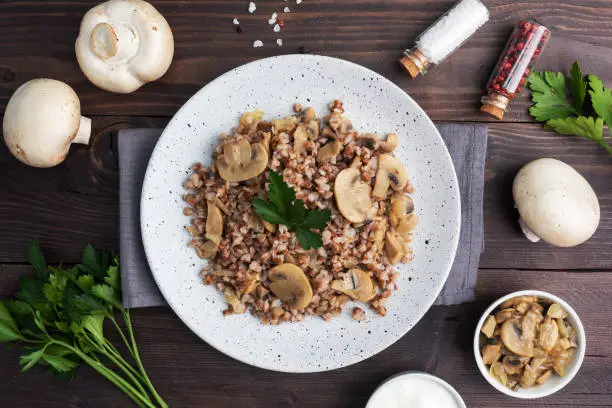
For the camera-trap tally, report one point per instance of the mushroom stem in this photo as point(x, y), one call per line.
point(84, 132)
point(529, 234)
point(114, 40)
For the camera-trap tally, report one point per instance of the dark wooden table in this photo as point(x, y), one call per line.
point(76, 203)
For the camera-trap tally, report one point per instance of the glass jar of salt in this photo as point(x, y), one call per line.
point(444, 36)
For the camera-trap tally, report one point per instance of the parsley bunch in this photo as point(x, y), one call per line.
point(568, 115)
point(283, 208)
point(58, 316)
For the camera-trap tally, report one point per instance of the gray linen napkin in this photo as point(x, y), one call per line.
point(467, 144)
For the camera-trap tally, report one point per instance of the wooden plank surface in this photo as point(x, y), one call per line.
point(189, 373)
point(77, 201)
point(38, 40)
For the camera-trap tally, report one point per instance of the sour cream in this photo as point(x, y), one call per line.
point(415, 390)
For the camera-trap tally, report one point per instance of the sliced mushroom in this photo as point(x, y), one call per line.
point(549, 334)
point(287, 124)
point(290, 285)
point(254, 222)
point(488, 328)
point(357, 284)
point(352, 195)
point(515, 340)
point(241, 161)
point(313, 129)
point(531, 372)
point(265, 141)
point(407, 225)
point(309, 114)
point(401, 207)
point(339, 124)
point(506, 314)
point(277, 312)
point(497, 371)
point(544, 377)
point(390, 173)
point(300, 137)
point(271, 228)
point(390, 144)
point(329, 151)
point(517, 300)
point(514, 365)
point(368, 140)
point(522, 307)
point(560, 361)
point(556, 311)
point(394, 248)
point(250, 118)
point(232, 299)
point(563, 332)
point(490, 353)
point(379, 235)
point(214, 223)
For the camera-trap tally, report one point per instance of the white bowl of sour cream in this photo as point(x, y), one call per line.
point(415, 390)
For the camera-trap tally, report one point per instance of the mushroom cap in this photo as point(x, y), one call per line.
point(556, 202)
point(41, 120)
point(352, 195)
point(290, 285)
point(123, 44)
point(242, 161)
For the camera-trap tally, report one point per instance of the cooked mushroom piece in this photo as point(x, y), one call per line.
point(390, 144)
point(379, 234)
point(490, 353)
point(488, 328)
point(506, 314)
point(390, 173)
point(368, 140)
point(549, 334)
point(329, 151)
point(514, 365)
point(556, 311)
point(285, 125)
point(516, 300)
point(300, 137)
point(515, 339)
point(214, 223)
point(401, 207)
point(357, 284)
point(290, 285)
point(394, 248)
point(232, 299)
point(544, 377)
point(497, 371)
point(352, 195)
point(532, 372)
point(242, 161)
point(560, 361)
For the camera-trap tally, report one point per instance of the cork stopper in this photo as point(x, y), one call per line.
point(414, 62)
point(495, 104)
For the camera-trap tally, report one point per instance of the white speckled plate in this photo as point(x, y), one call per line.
point(374, 104)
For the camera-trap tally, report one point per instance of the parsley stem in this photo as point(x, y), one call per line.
point(128, 324)
point(120, 330)
point(114, 378)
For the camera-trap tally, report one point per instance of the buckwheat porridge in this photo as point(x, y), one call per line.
point(300, 215)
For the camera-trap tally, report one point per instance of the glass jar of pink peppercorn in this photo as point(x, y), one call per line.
point(510, 74)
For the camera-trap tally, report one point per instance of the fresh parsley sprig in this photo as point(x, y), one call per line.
point(566, 114)
point(283, 208)
point(58, 315)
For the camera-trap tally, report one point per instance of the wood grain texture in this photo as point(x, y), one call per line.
point(76, 202)
point(38, 40)
point(189, 373)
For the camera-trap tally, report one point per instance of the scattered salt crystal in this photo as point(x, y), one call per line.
point(276, 28)
point(257, 44)
point(279, 42)
point(286, 10)
point(252, 7)
point(236, 22)
point(272, 19)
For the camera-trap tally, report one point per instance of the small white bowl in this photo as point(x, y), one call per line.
point(555, 383)
point(409, 375)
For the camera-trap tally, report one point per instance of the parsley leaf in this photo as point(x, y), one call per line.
point(549, 96)
point(309, 239)
point(283, 208)
point(578, 85)
point(601, 99)
point(37, 260)
point(552, 104)
point(317, 219)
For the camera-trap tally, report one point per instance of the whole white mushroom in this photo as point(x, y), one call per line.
point(123, 44)
point(556, 203)
point(41, 121)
